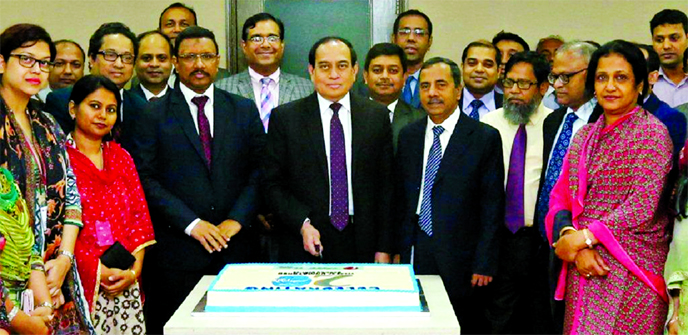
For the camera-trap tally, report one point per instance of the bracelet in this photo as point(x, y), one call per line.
point(48, 305)
point(13, 313)
point(68, 254)
point(38, 267)
point(588, 241)
point(134, 272)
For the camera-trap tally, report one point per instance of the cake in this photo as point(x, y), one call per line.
point(314, 288)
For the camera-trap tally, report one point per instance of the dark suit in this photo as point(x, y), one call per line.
point(57, 104)
point(550, 128)
point(297, 183)
point(138, 91)
point(498, 97)
point(404, 114)
point(467, 209)
point(179, 188)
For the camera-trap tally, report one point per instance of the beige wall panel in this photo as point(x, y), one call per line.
point(458, 22)
point(78, 19)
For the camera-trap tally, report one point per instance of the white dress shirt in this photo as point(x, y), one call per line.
point(345, 118)
point(487, 99)
point(208, 111)
point(583, 113)
point(257, 87)
point(391, 108)
point(148, 94)
point(534, 147)
point(449, 124)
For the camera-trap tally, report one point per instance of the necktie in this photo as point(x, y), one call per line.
point(514, 183)
point(475, 107)
point(339, 186)
point(431, 167)
point(554, 168)
point(266, 104)
point(204, 128)
point(410, 96)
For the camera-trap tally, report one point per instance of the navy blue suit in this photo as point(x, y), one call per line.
point(467, 209)
point(57, 104)
point(674, 120)
point(139, 92)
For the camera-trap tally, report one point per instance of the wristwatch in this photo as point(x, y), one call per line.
point(588, 241)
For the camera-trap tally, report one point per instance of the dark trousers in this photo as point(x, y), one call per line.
point(469, 303)
point(338, 246)
point(166, 289)
point(520, 292)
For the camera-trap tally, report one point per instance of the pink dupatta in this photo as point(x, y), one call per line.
point(560, 199)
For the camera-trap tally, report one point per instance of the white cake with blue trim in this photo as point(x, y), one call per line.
point(314, 288)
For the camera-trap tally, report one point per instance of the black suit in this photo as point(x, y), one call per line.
point(137, 90)
point(467, 209)
point(180, 188)
point(297, 183)
point(549, 129)
point(404, 114)
point(57, 104)
point(498, 97)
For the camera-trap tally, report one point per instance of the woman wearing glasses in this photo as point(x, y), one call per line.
point(32, 149)
point(606, 217)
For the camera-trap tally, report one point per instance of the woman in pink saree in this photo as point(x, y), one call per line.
point(607, 220)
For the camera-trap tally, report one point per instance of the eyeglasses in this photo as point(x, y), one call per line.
point(564, 77)
point(257, 39)
point(206, 58)
point(416, 31)
point(522, 83)
point(112, 56)
point(74, 64)
point(28, 62)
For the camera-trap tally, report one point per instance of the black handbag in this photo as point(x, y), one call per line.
point(117, 257)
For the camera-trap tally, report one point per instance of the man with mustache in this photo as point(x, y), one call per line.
point(385, 73)
point(669, 30)
point(112, 50)
point(197, 151)
point(413, 33)
point(68, 67)
point(153, 65)
point(450, 198)
point(262, 40)
point(481, 60)
point(520, 294)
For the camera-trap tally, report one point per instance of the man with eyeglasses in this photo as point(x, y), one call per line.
point(413, 33)
point(153, 65)
point(112, 50)
point(520, 295)
point(67, 68)
point(197, 151)
point(262, 40)
point(578, 108)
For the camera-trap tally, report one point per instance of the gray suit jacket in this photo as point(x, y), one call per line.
point(291, 87)
point(404, 114)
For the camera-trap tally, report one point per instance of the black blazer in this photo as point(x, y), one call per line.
point(138, 91)
point(467, 198)
point(404, 114)
point(57, 104)
point(297, 182)
point(178, 185)
point(498, 97)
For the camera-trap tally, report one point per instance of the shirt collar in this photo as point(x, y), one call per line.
point(393, 105)
point(449, 124)
point(148, 94)
point(324, 104)
point(585, 110)
point(487, 98)
point(256, 77)
point(662, 76)
point(416, 75)
point(190, 94)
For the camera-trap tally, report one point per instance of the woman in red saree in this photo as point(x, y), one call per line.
point(606, 218)
point(114, 209)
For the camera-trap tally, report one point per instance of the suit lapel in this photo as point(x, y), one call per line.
point(245, 87)
point(313, 125)
point(221, 123)
point(416, 150)
point(458, 143)
point(357, 131)
point(180, 110)
point(285, 89)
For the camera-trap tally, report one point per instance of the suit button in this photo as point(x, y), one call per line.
point(212, 208)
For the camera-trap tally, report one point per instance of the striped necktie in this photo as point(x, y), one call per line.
point(266, 104)
point(431, 167)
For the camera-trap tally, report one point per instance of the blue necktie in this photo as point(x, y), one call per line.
point(409, 96)
point(433, 164)
point(475, 107)
point(339, 185)
point(554, 169)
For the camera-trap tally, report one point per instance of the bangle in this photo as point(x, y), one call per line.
point(588, 241)
point(13, 313)
point(134, 272)
point(68, 254)
point(38, 267)
point(48, 305)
